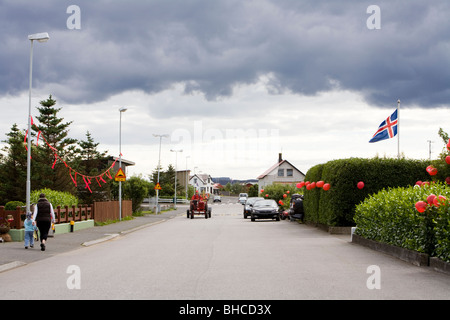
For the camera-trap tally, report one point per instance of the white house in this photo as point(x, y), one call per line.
point(202, 183)
point(282, 172)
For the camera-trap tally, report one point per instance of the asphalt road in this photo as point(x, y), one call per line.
point(225, 257)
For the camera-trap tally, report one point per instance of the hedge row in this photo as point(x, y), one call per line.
point(336, 207)
point(390, 217)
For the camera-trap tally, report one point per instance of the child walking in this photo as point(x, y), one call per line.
point(29, 231)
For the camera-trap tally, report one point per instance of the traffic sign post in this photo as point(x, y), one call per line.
point(120, 176)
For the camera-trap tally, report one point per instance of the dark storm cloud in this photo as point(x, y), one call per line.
point(212, 46)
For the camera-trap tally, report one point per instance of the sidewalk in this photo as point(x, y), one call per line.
point(13, 254)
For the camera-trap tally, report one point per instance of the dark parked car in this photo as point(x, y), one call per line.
point(265, 209)
point(296, 207)
point(249, 204)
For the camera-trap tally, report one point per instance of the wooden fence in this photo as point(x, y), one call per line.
point(99, 211)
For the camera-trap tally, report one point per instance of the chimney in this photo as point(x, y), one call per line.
point(280, 158)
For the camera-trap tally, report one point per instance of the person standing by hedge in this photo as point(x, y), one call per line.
point(43, 216)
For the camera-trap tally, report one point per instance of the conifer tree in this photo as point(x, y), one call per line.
point(13, 166)
point(45, 171)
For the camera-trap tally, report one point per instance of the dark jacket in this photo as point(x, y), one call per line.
point(43, 210)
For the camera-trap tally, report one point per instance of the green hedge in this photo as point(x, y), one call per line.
point(390, 217)
point(56, 198)
point(336, 207)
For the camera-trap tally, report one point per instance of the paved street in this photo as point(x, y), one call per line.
point(225, 257)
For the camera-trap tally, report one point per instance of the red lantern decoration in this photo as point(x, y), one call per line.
point(300, 185)
point(288, 192)
point(262, 190)
point(313, 185)
point(360, 185)
point(421, 206)
point(284, 195)
point(267, 195)
point(320, 184)
point(419, 183)
point(448, 144)
point(280, 202)
point(326, 186)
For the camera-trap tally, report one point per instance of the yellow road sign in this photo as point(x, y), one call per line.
point(158, 186)
point(120, 176)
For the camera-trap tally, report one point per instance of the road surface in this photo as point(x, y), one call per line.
point(225, 257)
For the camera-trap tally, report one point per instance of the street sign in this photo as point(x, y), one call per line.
point(120, 176)
point(158, 186)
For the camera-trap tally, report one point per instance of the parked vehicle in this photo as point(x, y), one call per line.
point(242, 198)
point(217, 199)
point(296, 207)
point(265, 209)
point(249, 204)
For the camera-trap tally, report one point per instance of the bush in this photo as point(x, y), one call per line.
point(336, 206)
point(277, 192)
point(390, 217)
point(136, 188)
point(56, 198)
point(12, 205)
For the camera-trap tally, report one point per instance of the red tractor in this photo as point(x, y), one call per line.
point(198, 207)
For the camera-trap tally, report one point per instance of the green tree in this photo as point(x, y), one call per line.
point(91, 162)
point(13, 166)
point(167, 182)
point(136, 188)
point(55, 132)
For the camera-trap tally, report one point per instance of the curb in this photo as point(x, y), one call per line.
point(115, 235)
point(11, 265)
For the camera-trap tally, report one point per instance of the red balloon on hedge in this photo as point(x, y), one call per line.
point(284, 195)
point(421, 206)
point(320, 184)
point(447, 159)
point(430, 199)
point(432, 171)
point(360, 185)
point(326, 186)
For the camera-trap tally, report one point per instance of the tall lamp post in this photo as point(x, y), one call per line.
point(159, 165)
point(176, 154)
point(187, 178)
point(121, 110)
point(41, 37)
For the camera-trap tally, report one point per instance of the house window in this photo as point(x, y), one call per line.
point(289, 172)
point(281, 172)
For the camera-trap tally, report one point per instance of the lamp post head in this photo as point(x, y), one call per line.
point(123, 109)
point(41, 37)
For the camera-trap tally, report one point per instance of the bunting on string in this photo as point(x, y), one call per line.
point(87, 179)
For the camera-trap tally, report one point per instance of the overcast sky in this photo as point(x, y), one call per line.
point(233, 82)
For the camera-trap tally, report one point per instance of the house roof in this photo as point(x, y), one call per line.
point(276, 165)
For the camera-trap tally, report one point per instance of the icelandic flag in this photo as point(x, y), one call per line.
point(387, 129)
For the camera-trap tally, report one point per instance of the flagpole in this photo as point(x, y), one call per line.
point(398, 128)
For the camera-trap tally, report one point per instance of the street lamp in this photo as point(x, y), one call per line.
point(176, 153)
point(187, 178)
point(159, 165)
point(41, 37)
point(121, 110)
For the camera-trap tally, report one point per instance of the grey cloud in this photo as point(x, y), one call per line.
point(212, 46)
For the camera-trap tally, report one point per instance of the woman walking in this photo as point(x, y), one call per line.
point(43, 216)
